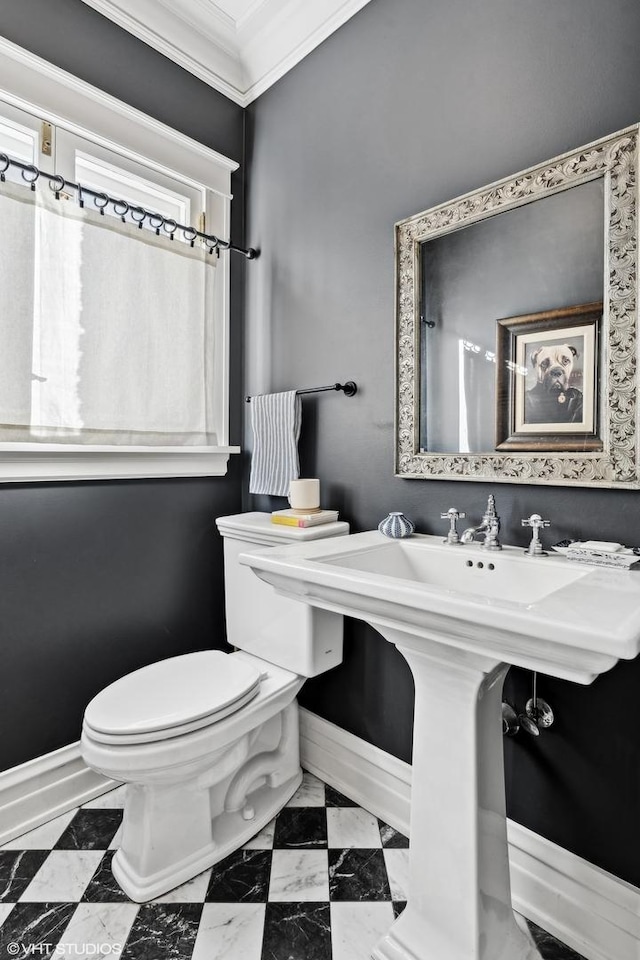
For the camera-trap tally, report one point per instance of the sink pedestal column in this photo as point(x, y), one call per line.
point(459, 904)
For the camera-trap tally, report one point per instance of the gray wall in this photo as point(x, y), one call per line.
point(100, 578)
point(410, 104)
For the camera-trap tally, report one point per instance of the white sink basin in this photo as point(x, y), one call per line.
point(460, 615)
point(504, 575)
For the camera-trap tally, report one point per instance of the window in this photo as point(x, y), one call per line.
point(92, 172)
point(143, 389)
point(101, 169)
point(18, 139)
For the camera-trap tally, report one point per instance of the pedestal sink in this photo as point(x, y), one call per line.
point(461, 616)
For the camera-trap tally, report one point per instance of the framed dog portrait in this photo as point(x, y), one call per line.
point(547, 380)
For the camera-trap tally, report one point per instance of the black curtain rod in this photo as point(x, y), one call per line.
point(31, 174)
point(350, 388)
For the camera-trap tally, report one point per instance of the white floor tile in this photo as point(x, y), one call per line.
point(230, 931)
point(299, 875)
point(194, 891)
point(97, 930)
point(63, 876)
point(264, 839)
point(44, 837)
point(310, 793)
point(110, 800)
point(397, 863)
point(352, 827)
point(5, 910)
point(357, 927)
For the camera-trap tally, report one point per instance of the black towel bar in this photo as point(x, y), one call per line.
point(350, 388)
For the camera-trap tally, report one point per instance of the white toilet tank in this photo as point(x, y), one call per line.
point(285, 632)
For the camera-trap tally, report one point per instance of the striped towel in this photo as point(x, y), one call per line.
point(275, 420)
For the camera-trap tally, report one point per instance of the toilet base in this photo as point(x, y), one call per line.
point(231, 832)
point(181, 818)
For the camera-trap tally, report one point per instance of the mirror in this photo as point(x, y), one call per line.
point(516, 327)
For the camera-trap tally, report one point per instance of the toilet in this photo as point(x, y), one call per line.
point(207, 742)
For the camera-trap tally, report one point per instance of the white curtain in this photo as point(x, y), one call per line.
point(106, 332)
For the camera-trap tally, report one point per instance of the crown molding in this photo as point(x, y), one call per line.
point(216, 63)
point(240, 58)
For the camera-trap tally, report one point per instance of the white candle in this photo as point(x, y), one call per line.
point(304, 494)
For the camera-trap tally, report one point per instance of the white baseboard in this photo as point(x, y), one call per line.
point(44, 788)
point(585, 907)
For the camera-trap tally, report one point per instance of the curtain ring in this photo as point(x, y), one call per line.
point(31, 180)
point(121, 208)
point(7, 163)
point(214, 242)
point(170, 227)
point(138, 215)
point(105, 202)
point(80, 197)
point(155, 222)
point(190, 234)
point(56, 184)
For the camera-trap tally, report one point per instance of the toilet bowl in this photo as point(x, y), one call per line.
point(208, 742)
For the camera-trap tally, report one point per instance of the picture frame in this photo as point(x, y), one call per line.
point(547, 380)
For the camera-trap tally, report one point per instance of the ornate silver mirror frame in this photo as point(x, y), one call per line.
point(614, 159)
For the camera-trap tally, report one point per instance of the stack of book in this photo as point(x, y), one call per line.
point(303, 518)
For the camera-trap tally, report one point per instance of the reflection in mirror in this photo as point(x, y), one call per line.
point(544, 260)
point(538, 257)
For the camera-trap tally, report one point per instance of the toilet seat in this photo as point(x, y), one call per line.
point(172, 697)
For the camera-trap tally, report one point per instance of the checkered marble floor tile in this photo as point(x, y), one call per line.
point(323, 881)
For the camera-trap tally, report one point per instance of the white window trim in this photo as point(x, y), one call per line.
point(40, 88)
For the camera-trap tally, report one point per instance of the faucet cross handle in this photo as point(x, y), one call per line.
point(452, 515)
point(536, 523)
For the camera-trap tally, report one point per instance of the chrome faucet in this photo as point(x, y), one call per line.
point(490, 527)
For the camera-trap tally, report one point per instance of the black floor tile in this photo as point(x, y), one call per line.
point(35, 927)
point(17, 870)
point(90, 830)
point(163, 931)
point(398, 907)
point(242, 877)
point(103, 886)
point(301, 828)
point(297, 931)
point(335, 799)
point(549, 947)
point(358, 874)
point(392, 839)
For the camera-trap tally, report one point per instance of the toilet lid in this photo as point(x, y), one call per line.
point(172, 693)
